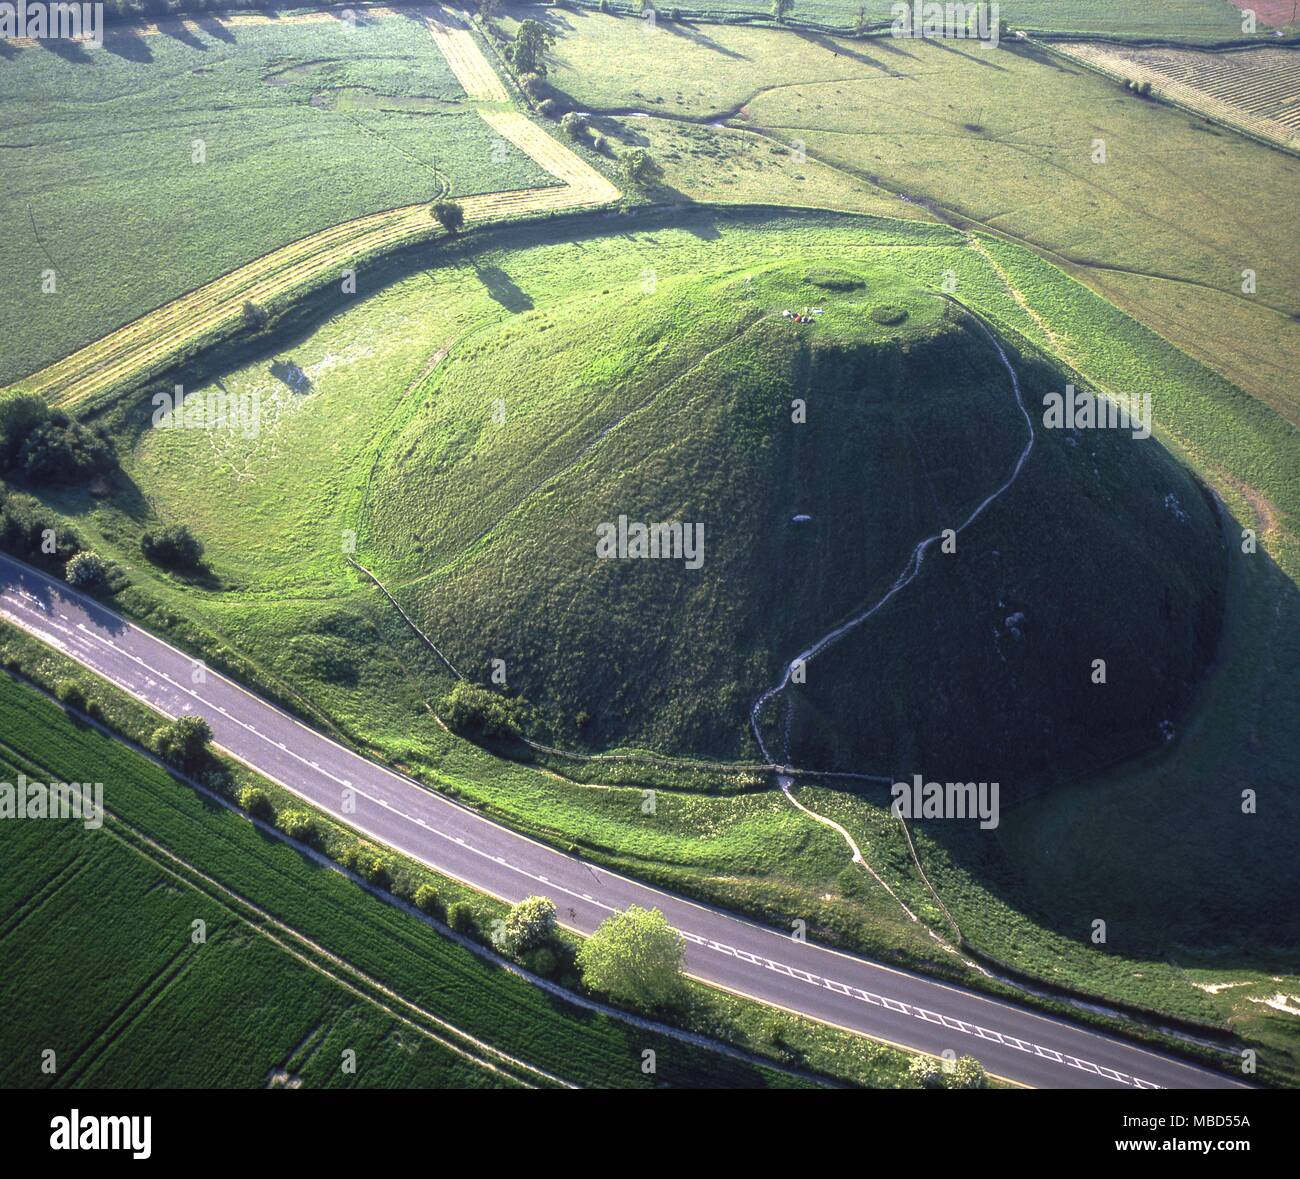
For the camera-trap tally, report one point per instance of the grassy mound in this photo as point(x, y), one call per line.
point(683, 406)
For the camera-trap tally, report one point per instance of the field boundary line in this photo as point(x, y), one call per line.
point(363, 979)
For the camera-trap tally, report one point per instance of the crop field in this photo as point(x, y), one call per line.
point(1258, 89)
point(1000, 139)
point(287, 977)
point(337, 121)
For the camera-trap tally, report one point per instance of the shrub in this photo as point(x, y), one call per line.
point(297, 824)
point(426, 899)
point(528, 925)
point(967, 1073)
point(924, 1072)
point(889, 315)
point(548, 107)
point(639, 168)
point(449, 214)
point(834, 280)
point(72, 694)
point(174, 545)
point(573, 125)
point(378, 873)
point(462, 919)
point(533, 85)
point(256, 802)
point(87, 571)
point(254, 316)
point(480, 712)
point(542, 960)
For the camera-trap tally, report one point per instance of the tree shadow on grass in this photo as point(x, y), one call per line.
point(70, 51)
point(691, 33)
point(215, 29)
point(503, 289)
point(840, 50)
point(124, 43)
point(180, 31)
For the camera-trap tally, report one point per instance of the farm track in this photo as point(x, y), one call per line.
point(478, 79)
point(151, 343)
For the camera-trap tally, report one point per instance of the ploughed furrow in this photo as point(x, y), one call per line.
point(1258, 90)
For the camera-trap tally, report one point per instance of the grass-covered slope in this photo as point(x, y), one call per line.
point(681, 404)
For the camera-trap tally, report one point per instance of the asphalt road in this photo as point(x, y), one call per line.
point(902, 1008)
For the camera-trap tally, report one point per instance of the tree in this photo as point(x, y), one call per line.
point(781, 9)
point(174, 545)
point(528, 924)
point(254, 316)
point(86, 571)
point(639, 167)
point(860, 22)
point(527, 52)
point(184, 742)
point(449, 214)
point(636, 957)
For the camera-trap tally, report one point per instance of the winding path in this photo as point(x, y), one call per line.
point(910, 570)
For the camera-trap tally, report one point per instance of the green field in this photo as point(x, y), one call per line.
point(463, 426)
point(100, 965)
point(303, 125)
point(1187, 19)
point(288, 613)
point(1002, 140)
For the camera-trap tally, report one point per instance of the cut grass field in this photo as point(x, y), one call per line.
point(289, 614)
point(998, 139)
point(297, 965)
point(336, 121)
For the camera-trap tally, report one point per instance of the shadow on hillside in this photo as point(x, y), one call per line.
point(179, 31)
point(70, 51)
point(948, 45)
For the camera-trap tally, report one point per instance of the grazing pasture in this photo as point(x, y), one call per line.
point(1164, 225)
point(160, 162)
